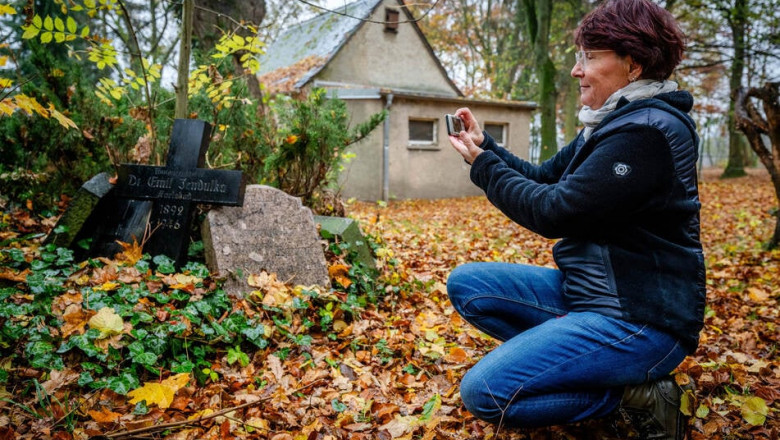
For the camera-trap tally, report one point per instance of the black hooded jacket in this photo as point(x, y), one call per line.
point(626, 205)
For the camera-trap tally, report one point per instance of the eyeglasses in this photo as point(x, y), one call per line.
point(582, 56)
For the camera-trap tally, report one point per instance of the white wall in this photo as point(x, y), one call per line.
point(379, 58)
point(430, 171)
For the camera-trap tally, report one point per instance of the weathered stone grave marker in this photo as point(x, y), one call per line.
point(176, 187)
point(271, 232)
point(347, 230)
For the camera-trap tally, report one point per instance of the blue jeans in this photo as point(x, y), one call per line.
point(554, 366)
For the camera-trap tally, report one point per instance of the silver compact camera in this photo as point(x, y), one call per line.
point(454, 125)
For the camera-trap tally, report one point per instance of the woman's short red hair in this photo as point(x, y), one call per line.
point(640, 28)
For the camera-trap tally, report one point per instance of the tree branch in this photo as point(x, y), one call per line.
point(147, 92)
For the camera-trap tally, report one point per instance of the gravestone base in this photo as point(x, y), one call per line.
point(118, 219)
point(271, 232)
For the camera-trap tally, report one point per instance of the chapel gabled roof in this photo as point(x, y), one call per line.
point(304, 49)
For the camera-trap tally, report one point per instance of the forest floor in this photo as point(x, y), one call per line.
point(380, 370)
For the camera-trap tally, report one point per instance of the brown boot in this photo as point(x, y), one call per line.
point(654, 409)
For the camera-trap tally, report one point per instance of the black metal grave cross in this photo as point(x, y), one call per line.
point(176, 187)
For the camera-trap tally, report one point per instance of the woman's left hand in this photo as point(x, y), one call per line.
point(464, 145)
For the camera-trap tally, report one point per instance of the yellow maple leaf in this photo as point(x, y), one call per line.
point(7, 9)
point(160, 394)
point(30, 105)
point(7, 107)
point(61, 118)
point(131, 252)
point(107, 286)
point(107, 321)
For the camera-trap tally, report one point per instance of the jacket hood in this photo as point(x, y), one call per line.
point(680, 99)
point(677, 103)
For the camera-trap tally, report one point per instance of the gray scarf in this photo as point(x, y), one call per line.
point(642, 89)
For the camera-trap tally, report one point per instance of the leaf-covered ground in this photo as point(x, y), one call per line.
point(333, 367)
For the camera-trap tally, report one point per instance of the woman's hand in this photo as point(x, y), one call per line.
point(467, 142)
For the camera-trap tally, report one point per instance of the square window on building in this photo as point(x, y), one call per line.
point(497, 132)
point(391, 20)
point(422, 132)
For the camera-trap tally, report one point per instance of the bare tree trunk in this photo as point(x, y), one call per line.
point(570, 87)
point(571, 101)
point(737, 154)
point(539, 13)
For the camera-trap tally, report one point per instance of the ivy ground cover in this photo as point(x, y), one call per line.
point(131, 348)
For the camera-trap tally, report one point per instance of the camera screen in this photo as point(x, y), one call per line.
point(454, 125)
point(457, 124)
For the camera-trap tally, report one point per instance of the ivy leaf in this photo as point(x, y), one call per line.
point(164, 264)
point(122, 384)
point(85, 379)
point(182, 367)
point(145, 358)
point(141, 408)
point(338, 406)
point(235, 354)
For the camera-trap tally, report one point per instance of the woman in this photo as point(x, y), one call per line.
point(625, 306)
